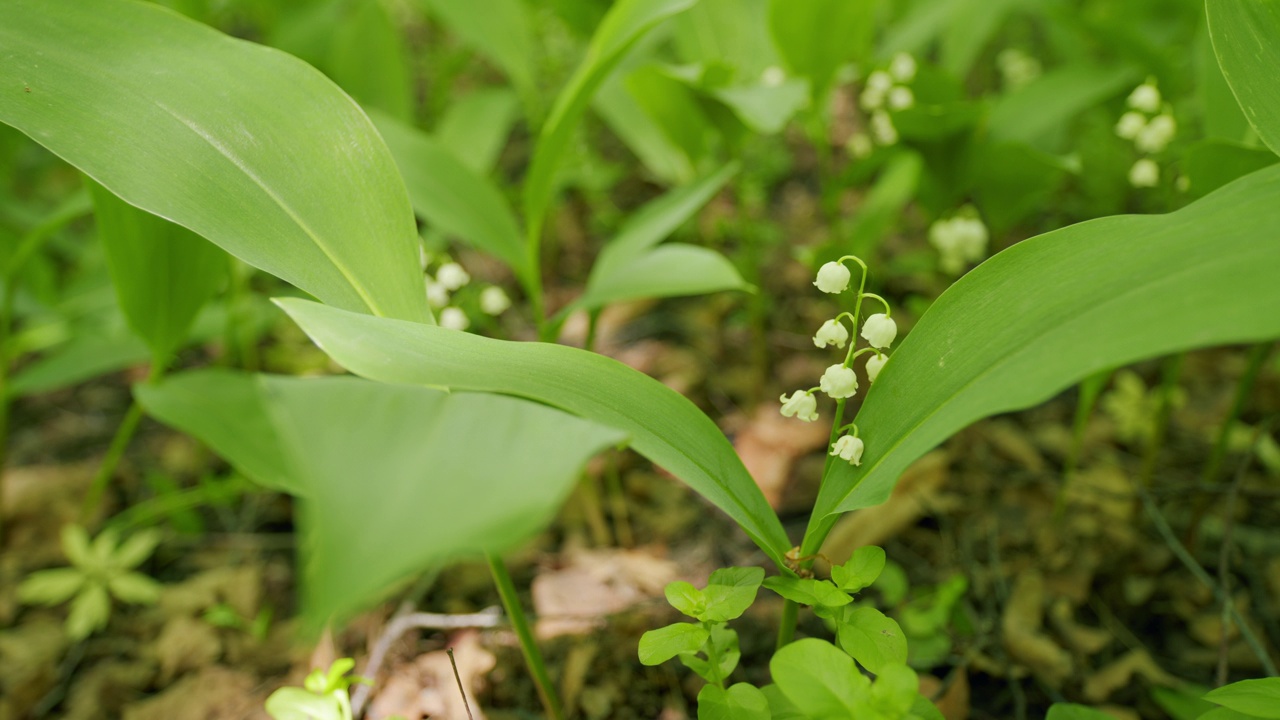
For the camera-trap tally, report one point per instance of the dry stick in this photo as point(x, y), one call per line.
point(461, 691)
point(1180, 551)
point(490, 617)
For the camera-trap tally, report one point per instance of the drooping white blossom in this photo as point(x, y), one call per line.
point(832, 332)
point(801, 405)
point(1145, 97)
point(494, 301)
point(452, 318)
point(879, 330)
point(1144, 173)
point(1157, 134)
point(833, 277)
point(839, 382)
point(1131, 124)
point(902, 67)
point(875, 364)
point(901, 98)
point(452, 276)
point(848, 448)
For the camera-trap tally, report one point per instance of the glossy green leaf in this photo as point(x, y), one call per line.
point(367, 58)
point(659, 646)
point(475, 127)
point(1210, 164)
point(729, 592)
point(1182, 703)
point(393, 479)
point(1260, 698)
point(669, 270)
point(686, 598)
point(732, 33)
point(1223, 118)
point(626, 22)
point(816, 37)
point(1047, 104)
point(738, 702)
point(643, 136)
point(1218, 713)
point(450, 195)
point(1057, 308)
point(242, 144)
point(861, 570)
point(1246, 38)
point(818, 678)
point(1013, 182)
point(872, 638)
point(664, 426)
point(675, 107)
point(499, 29)
point(163, 273)
point(808, 591)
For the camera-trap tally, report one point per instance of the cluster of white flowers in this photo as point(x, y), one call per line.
point(960, 239)
point(449, 278)
point(1150, 125)
point(885, 91)
point(839, 381)
point(1017, 68)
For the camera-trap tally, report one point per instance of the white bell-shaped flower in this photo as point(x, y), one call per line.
point(437, 294)
point(880, 330)
point(882, 128)
point(1131, 124)
point(839, 382)
point(801, 405)
point(832, 332)
point(1157, 134)
point(874, 365)
point(902, 67)
point(901, 98)
point(833, 277)
point(1144, 173)
point(452, 318)
point(848, 448)
point(452, 276)
point(494, 301)
point(1145, 97)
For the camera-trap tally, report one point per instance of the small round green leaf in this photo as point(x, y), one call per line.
point(686, 598)
point(818, 679)
point(808, 591)
point(739, 702)
point(862, 569)
point(659, 646)
point(1260, 698)
point(872, 638)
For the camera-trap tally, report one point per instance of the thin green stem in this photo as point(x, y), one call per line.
point(887, 311)
point(6, 312)
point(787, 623)
point(519, 623)
point(124, 435)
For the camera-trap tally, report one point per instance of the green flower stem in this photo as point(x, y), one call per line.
point(885, 303)
point(119, 443)
point(519, 623)
point(787, 624)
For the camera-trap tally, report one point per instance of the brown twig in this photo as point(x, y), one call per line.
point(461, 691)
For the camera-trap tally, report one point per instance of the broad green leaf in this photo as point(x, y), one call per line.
point(664, 426)
point(475, 127)
point(659, 646)
point(451, 196)
point(729, 593)
point(1012, 182)
point(1072, 711)
point(1218, 713)
point(628, 120)
point(1057, 308)
point(972, 23)
point(674, 106)
point(1260, 698)
point(626, 22)
point(816, 37)
point(1047, 104)
point(872, 638)
point(686, 598)
point(765, 109)
point(439, 475)
point(1246, 38)
point(669, 270)
point(808, 591)
point(498, 29)
point(779, 706)
point(895, 690)
point(368, 59)
point(818, 678)
point(738, 702)
point(1210, 164)
point(163, 273)
point(1182, 703)
point(242, 144)
point(652, 223)
point(882, 206)
point(1223, 118)
point(862, 569)
point(732, 33)
point(51, 587)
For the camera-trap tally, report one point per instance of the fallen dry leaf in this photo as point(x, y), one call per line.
point(917, 493)
point(1099, 685)
point(426, 686)
point(214, 693)
point(1022, 624)
point(951, 700)
point(29, 656)
point(769, 445)
point(1083, 639)
point(594, 584)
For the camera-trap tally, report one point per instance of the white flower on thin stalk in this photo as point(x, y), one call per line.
point(959, 240)
point(1157, 134)
point(452, 318)
point(901, 98)
point(494, 301)
point(832, 332)
point(452, 276)
point(882, 128)
point(1145, 97)
point(437, 294)
point(801, 405)
point(877, 87)
point(875, 364)
point(903, 67)
point(839, 382)
point(879, 330)
point(833, 277)
point(848, 448)
point(1145, 173)
point(1131, 125)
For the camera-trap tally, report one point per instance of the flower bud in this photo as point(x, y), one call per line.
point(833, 277)
point(1131, 124)
point(901, 98)
point(452, 318)
point(494, 301)
point(832, 332)
point(1145, 97)
point(902, 67)
point(880, 330)
point(452, 276)
point(839, 382)
point(882, 128)
point(801, 405)
point(848, 448)
point(1144, 173)
point(1157, 134)
point(875, 364)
